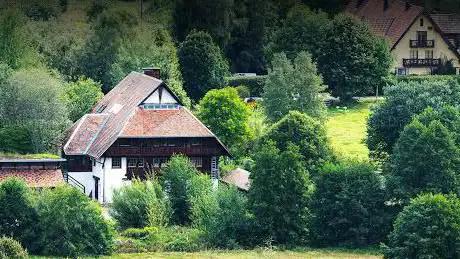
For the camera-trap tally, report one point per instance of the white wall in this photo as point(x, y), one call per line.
point(113, 178)
point(85, 178)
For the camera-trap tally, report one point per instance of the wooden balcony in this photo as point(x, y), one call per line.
point(421, 62)
point(163, 151)
point(422, 43)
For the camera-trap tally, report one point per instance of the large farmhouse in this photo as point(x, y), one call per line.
point(133, 131)
point(419, 41)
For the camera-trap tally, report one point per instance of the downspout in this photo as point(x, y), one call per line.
point(103, 182)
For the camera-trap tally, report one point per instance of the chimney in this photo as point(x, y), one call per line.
point(385, 5)
point(152, 71)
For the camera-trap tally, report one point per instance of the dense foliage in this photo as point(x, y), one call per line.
point(360, 67)
point(254, 83)
point(175, 178)
point(279, 194)
point(348, 206)
point(11, 249)
point(72, 225)
point(202, 64)
point(426, 157)
point(429, 227)
point(223, 217)
point(140, 204)
point(81, 96)
point(33, 111)
point(304, 132)
point(226, 115)
point(18, 218)
point(403, 101)
point(293, 86)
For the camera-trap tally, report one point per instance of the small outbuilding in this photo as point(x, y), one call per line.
point(239, 178)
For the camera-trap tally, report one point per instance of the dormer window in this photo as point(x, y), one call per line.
point(101, 108)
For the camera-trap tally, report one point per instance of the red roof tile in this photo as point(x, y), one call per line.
point(164, 123)
point(36, 178)
point(84, 133)
point(391, 23)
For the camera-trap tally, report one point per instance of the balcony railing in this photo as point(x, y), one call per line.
point(421, 62)
point(422, 43)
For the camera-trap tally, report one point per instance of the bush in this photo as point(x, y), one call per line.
point(426, 157)
point(429, 227)
point(11, 249)
point(223, 218)
point(243, 91)
point(175, 180)
point(429, 78)
point(72, 224)
point(403, 101)
point(138, 233)
point(18, 218)
point(139, 205)
point(181, 239)
point(255, 84)
point(348, 206)
point(44, 10)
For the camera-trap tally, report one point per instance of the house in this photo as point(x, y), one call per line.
point(419, 41)
point(36, 173)
point(132, 132)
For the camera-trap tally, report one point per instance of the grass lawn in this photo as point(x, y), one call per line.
point(346, 128)
point(250, 254)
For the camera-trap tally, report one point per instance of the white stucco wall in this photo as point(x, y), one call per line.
point(440, 50)
point(113, 178)
point(85, 178)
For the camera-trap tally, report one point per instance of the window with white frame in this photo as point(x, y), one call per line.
point(197, 161)
point(428, 54)
point(414, 54)
point(116, 162)
point(132, 162)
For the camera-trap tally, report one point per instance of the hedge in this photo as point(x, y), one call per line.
point(422, 78)
point(254, 83)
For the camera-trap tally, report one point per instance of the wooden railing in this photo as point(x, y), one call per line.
point(421, 62)
point(422, 43)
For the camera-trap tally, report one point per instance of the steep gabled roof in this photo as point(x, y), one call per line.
point(391, 23)
point(447, 23)
point(118, 114)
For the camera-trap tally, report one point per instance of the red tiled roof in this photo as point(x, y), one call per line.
point(391, 23)
point(36, 178)
point(239, 178)
point(447, 23)
point(164, 123)
point(84, 133)
point(122, 117)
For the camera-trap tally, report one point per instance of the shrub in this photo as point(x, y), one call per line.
point(223, 217)
point(44, 10)
point(11, 249)
point(18, 218)
point(429, 227)
point(72, 224)
point(175, 180)
point(348, 206)
point(428, 78)
point(140, 204)
point(255, 84)
point(426, 157)
point(403, 101)
point(243, 91)
point(138, 233)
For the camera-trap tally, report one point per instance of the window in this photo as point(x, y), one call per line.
point(116, 162)
point(197, 161)
point(401, 71)
point(101, 108)
point(421, 22)
point(414, 54)
point(132, 162)
point(160, 106)
point(140, 162)
point(428, 54)
point(156, 162)
point(422, 36)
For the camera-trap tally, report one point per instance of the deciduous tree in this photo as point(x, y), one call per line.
point(81, 96)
